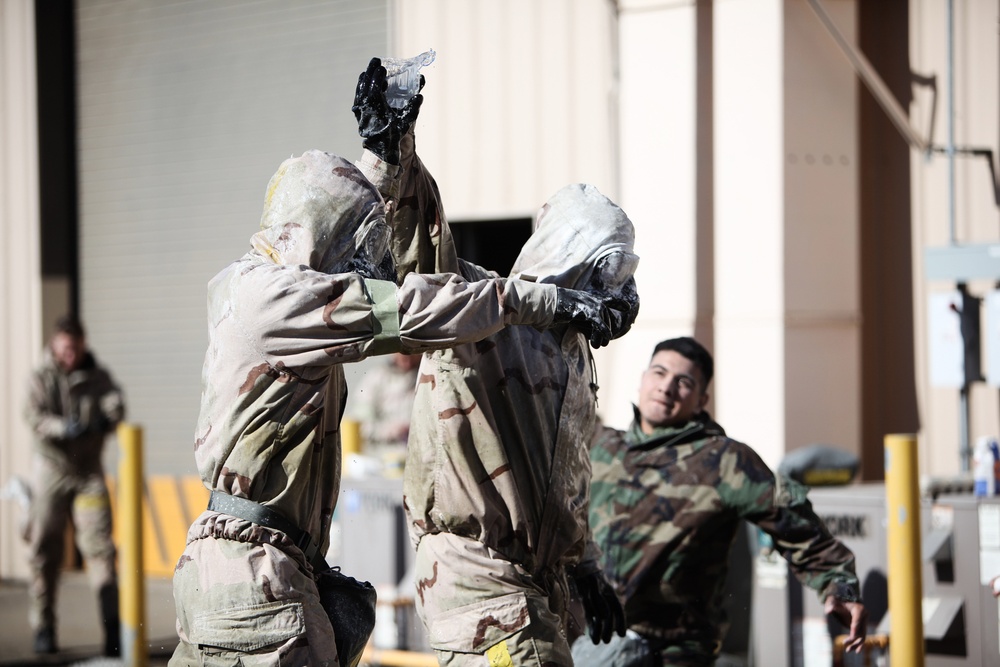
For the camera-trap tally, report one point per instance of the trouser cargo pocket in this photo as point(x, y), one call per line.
point(247, 635)
point(473, 628)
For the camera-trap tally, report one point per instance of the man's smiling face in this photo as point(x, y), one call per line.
point(672, 391)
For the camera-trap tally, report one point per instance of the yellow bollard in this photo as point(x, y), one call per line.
point(902, 509)
point(350, 443)
point(350, 436)
point(132, 593)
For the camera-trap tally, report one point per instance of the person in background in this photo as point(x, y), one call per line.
point(667, 497)
point(73, 403)
point(382, 404)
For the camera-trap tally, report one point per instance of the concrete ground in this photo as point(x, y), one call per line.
point(79, 633)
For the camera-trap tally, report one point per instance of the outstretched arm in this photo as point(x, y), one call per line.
point(852, 615)
point(421, 240)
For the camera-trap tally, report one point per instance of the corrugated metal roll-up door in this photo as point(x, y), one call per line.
point(186, 108)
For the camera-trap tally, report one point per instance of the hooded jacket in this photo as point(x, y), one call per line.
point(498, 442)
point(87, 395)
point(287, 315)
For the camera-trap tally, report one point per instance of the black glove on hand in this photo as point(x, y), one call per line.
point(380, 125)
point(604, 611)
point(74, 429)
point(624, 310)
point(596, 316)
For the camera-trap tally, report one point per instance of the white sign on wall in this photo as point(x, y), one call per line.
point(945, 339)
point(992, 334)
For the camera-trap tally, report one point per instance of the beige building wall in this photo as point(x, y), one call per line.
point(976, 54)
point(20, 271)
point(728, 130)
point(786, 213)
point(665, 55)
point(521, 100)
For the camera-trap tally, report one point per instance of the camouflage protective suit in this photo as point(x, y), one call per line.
point(70, 415)
point(497, 470)
point(282, 320)
point(665, 508)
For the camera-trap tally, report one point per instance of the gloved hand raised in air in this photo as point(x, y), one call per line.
point(602, 607)
point(599, 317)
point(380, 125)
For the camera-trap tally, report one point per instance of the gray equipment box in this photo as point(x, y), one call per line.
point(960, 554)
point(369, 541)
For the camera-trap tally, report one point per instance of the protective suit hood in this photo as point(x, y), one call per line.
point(576, 228)
point(320, 211)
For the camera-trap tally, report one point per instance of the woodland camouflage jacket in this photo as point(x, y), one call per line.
point(665, 509)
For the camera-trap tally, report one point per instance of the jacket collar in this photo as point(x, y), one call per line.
point(702, 426)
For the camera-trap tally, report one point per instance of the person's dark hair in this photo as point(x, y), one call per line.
point(692, 350)
point(68, 324)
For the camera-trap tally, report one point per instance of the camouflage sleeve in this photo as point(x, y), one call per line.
point(782, 510)
point(111, 402)
point(38, 413)
point(440, 310)
point(590, 561)
point(605, 472)
point(422, 240)
point(602, 440)
point(298, 317)
point(383, 175)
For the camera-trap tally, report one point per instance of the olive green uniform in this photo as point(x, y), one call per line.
point(665, 508)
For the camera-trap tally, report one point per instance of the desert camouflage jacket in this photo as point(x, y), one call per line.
point(665, 509)
point(87, 395)
point(284, 317)
point(497, 450)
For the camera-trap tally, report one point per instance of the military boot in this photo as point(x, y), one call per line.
point(109, 616)
point(45, 640)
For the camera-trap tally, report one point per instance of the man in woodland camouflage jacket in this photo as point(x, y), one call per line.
point(497, 470)
point(308, 297)
point(666, 500)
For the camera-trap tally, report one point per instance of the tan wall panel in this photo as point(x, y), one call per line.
point(977, 219)
point(659, 117)
point(749, 215)
point(519, 102)
point(20, 271)
point(786, 198)
point(821, 233)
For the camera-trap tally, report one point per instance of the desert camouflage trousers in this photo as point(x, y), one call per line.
point(57, 496)
point(241, 600)
point(482, 610)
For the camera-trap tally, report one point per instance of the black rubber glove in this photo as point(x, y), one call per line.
point(380, 125)
point(602, 607)
point(596, 316)
point(74, 429)
point(622, 320)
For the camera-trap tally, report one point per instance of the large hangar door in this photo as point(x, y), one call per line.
point(185, 110)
